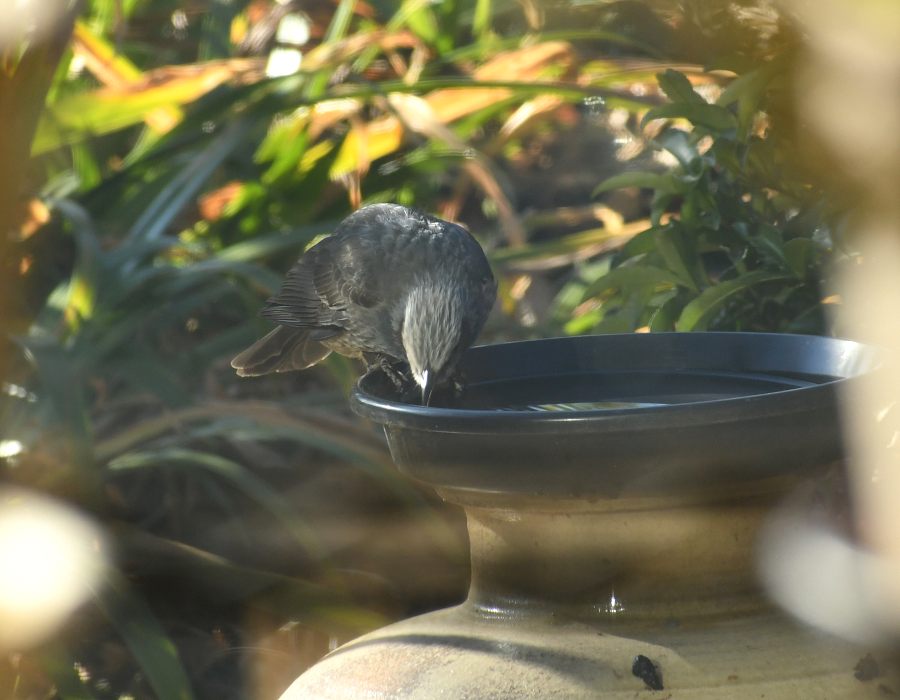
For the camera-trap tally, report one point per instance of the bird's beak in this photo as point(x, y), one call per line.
point(427, 387)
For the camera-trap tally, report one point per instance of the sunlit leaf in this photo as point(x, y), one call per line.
point(481, 23)
point(366, 143)
point(337, 29)
point(421, 20)
point(116, 71)
point(378, 138)
point(85, 114)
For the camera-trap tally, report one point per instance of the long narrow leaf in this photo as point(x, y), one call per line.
point(481, 24)
point(662, 182)
point(337, 29)
point(158, 216)
point(236, 474)
point(264, 246)
point(146, 639)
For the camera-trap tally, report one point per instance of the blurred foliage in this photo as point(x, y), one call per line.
point(736, 241)
point(170, 159)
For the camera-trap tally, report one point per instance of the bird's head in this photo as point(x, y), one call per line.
point(435, 331)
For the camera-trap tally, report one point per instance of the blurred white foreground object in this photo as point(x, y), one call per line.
point(28, 18)
point(51, 560)
point(852, 588)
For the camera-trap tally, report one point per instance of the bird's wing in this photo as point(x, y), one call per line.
point(351, 271)
point(297, 303)
point(337, 273)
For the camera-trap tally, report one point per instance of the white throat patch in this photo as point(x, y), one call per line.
point(432, 323)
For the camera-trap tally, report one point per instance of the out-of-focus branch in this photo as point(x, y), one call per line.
point(24, 85)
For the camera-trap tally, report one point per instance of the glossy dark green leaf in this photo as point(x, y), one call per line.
point(664, 317)
point(678, 249)
point(699, 312)
point(712, 117)
point(678, 88)
point(769, 243)
point(641, 244)
point(634, 278)
point(800, 254)
point(678, 142)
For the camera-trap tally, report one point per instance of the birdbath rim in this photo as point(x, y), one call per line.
point(765, 404)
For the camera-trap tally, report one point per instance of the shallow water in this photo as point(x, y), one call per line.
point(583, 406)
point(622, 390)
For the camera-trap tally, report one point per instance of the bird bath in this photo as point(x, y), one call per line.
point(614, 487)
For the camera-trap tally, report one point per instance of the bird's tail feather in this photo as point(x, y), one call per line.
point(282, 350)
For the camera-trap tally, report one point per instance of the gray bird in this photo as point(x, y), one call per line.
point(391, 286)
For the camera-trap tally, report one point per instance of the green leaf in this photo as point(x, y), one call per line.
point(481, 24)
point(160, 213)
point(145, 637)
point(679, 251)
point(423, 23)
point(215, 267)
point(699, 312)
point(712, 117)
point(665, 316)
point(230, 471)
point(285, 157)
point(476, 50)
point(599, 240)
point(215, 40)
point(678, 143)
point(634, 278)
point(340, 21)
point(769, 243)
point(800, 253)
point(641, 244)
point(337, 30)
point(147, 371)
point(84, 284)
point(661, 182)
point(263, 246)
point(62, 382)
point(748, 91)
point(677, 87)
